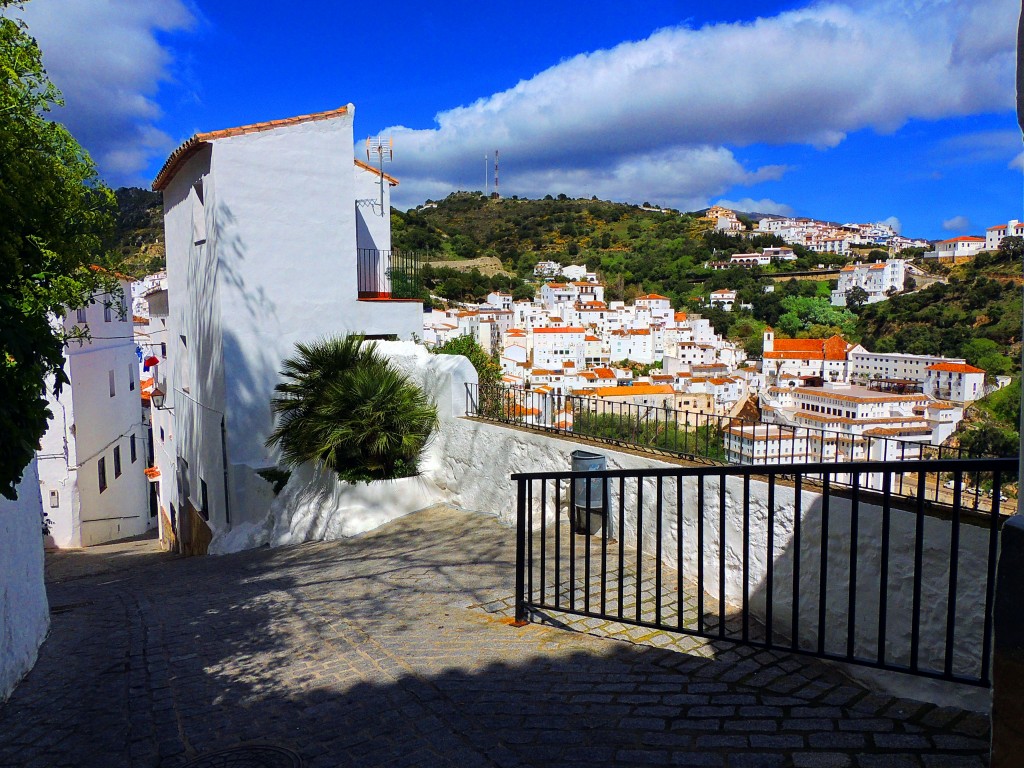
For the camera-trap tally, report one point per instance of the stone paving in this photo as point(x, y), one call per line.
point(395, 649)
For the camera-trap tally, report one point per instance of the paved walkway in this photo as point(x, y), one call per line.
point(395, 650)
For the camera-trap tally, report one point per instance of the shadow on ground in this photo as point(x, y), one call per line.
point(364, 652)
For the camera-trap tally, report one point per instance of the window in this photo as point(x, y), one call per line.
point(106, 312)
point(163, 349)
point(161, 434)
point(131, 378)
point(101, 471)
point(131, 448)
point(80, 315)
point(205, 511)
point(117, 461)
point(110, 380)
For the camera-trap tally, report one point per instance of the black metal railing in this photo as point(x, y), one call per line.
point(706, 437)
point(776, 557)
point(389, 274)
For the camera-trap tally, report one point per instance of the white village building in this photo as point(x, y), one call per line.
point(880, 280)
point(275, 234)
point(93, 457)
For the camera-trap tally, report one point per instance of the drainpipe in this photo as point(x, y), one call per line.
point(224, 463)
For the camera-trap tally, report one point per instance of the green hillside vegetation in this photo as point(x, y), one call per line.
point(976, 316)
point(136, 246)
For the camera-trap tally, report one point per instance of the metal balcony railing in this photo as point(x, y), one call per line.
point(388, 274)
point(778, 557)
point(711, 438)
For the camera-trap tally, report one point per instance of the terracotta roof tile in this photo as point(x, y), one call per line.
point(192, 145)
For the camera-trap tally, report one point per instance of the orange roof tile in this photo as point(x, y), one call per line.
point(636, 389)
point(192, 145)
point(653, 297)
point(566, 329)
point(954, 368)
point(392, 181)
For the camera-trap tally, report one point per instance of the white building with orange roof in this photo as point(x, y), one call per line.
point(825, 358)
point(841, 422)
point(955, 382)
point(865, 366)
point(723, 299)
point(879, 280)
point(275, 234)
point(660, 307)
point(994, 235)
point(957, 249)
point(636, 344)
point(550, 347)
point(651, 395)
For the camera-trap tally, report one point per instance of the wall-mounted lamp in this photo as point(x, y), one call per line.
point(158, 399)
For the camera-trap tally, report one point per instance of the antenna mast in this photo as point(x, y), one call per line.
point(385, 151)
point(496, 193)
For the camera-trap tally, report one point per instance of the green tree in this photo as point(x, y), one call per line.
point(856, 298)
point(487, 369)
point(56, 215)
point(344, 407)
point(1012, 247)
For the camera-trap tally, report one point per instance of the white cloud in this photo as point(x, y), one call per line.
point(957, 224)
point(106, 59)
point(807, 76)
point(981, 147)
point(764, 205)
point(895, 223)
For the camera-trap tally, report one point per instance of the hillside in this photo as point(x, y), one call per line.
point(635, 250)
point(137, 245)
point(977, 316)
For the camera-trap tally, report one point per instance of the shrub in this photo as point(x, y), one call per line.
point(346, 408)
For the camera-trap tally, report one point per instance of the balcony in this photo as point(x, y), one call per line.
point(388, 275)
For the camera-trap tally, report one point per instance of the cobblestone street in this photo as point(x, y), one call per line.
point(395, 649)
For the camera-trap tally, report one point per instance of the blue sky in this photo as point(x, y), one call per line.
point(854, 110)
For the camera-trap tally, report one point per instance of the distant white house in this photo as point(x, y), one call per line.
point(955, 382)
point(879, 280)
point(723, 299)
point(964, 247)
point(994, 235)
point(275, 234)
point(94, 453)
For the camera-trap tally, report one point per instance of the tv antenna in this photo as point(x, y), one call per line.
point(385, 152)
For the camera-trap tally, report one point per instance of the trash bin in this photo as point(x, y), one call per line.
point(588, 508)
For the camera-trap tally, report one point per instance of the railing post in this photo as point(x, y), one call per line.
point(521, 534)
point(1008, 648)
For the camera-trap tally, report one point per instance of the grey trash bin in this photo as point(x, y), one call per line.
point(588, 504)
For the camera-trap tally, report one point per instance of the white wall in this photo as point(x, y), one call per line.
point(24, 612)
point(88, 425)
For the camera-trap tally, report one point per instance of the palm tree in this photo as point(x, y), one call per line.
point(344, 407)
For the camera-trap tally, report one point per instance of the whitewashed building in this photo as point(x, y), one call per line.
point(879, 280)
point(955, 382)
point(274, 234)
point(92, 459)
point(964, 247)
point(994, 235)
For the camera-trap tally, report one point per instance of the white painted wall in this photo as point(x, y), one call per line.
point(278, 265)
point(24, 611)
point(88, 425)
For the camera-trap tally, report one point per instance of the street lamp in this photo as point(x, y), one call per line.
point(158, 399)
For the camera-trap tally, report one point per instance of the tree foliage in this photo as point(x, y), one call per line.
point(487, 369)
point(344, 407)
point(56, 216)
